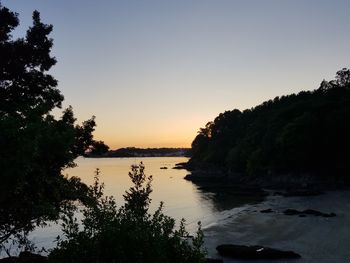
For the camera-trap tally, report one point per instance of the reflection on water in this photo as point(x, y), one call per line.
point(222, 223)
point(182, 199)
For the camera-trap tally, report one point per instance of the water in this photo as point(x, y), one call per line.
point(226, 218)
point(182, 199)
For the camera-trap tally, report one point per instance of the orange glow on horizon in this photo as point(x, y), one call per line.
point(172, 133)
point(116, 142)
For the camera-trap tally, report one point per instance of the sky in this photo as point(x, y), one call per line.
point(154, 71)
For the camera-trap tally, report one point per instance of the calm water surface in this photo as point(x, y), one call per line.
point(181, 197)
point(225, 218)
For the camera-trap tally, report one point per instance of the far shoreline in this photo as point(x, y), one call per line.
point(141, 152)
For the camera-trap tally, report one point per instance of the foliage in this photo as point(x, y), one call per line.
point(127, 234)
point(34, 145)
point(98, 148)
point(300, 133)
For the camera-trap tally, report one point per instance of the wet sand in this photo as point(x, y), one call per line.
point(316, 239)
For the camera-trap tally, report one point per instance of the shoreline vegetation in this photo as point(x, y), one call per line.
point(294, 141)
point(291, 146)
point(37, 146)
point(140, 152)
point(129, 233)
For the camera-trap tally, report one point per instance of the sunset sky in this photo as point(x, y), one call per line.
point(154, 72)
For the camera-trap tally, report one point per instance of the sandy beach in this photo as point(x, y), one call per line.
point(316, 239)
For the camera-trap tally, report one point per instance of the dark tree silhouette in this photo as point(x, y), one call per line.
point(299, 133)
point(98, 148)
point(34, 145)
point(129, 233)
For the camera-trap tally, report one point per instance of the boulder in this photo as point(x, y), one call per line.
point(254, 252)
point(181, 166)
point(291, 212)
point(266, 211)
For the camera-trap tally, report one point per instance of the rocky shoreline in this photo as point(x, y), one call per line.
point(309, 226)
point(287, 182)
point(264, 225)
point(254, 252)
point(301, 186)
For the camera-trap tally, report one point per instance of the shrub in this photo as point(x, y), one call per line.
point(128, 234)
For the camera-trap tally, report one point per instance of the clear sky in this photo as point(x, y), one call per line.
point(154, 72)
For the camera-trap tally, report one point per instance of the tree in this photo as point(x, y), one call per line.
point(342, 78)
point(304, 133)
point(98, 148)
point(127, 234)
point(34, 145)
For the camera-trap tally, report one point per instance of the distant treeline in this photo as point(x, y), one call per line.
point(141, 152)
point(308, 132)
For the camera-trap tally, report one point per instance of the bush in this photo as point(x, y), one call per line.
point(127, 234)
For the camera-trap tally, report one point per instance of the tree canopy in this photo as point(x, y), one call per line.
point(306, 132)
point(34, 144)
